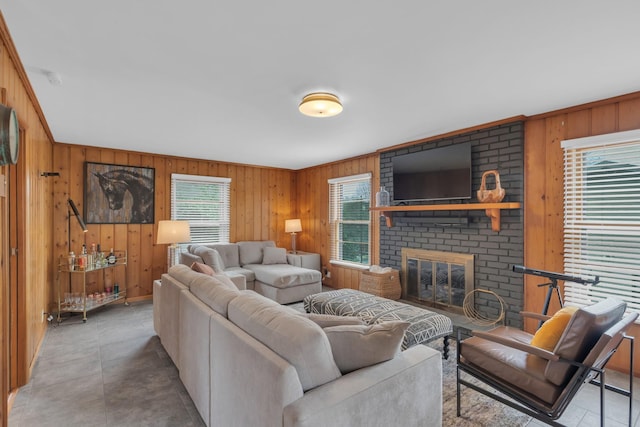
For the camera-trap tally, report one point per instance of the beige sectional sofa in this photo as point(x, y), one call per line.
point(263, 265)
point(248, 361)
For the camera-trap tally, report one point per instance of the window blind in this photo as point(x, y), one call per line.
point(204, 201)
point(349, 219)
point(602, 217)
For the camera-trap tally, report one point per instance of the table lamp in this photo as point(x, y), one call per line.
point(173, 232)
point(292, 226)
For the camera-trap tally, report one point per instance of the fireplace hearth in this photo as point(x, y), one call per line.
point(437, 279)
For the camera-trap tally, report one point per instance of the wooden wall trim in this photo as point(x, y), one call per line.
point(174, 158)
point(22, 74)
point(454, 133)
point(586, 106)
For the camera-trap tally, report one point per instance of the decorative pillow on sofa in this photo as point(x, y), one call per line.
point(251, 251)
point(550, 332)
point(211, 257)
point(202, 268)
point(328, 320)
point(274, 256)
point(357, 346)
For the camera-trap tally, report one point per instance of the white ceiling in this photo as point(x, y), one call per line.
point(222, 80)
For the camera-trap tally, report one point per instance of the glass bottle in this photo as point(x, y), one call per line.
point(111, 259)
point(72, 261)
point(382, 197)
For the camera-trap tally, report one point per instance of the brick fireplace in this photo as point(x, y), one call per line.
point(468, 232)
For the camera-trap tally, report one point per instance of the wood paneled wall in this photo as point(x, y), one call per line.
point(261, 199)
point(313, 209)
point(26, 226)
point(544, 187)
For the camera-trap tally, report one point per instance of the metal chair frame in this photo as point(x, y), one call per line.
point(584, 374)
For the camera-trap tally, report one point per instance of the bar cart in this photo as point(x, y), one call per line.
point(80, 302)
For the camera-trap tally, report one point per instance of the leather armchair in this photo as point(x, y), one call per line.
point(541, 382)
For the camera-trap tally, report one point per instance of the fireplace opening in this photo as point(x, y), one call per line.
point(437, 279)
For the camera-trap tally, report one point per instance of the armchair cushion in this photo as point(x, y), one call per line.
point(550, 332)
point(511, 365)
point(583, 331)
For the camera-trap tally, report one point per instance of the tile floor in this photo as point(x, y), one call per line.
point(113, 371)
point(109, 371)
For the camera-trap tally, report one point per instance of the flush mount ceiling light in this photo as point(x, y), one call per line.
point(320, 104)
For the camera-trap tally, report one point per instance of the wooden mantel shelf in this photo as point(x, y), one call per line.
point(491, 209)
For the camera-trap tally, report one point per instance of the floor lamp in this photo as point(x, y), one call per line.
point(78, 217)
point(73, 209)
point(292, 226)
point(173, 232)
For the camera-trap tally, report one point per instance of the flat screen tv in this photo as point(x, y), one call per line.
point(436, 174)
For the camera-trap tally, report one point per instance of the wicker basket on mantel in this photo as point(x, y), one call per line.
point(385, 285)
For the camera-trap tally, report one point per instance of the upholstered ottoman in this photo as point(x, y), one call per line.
point(425, 325)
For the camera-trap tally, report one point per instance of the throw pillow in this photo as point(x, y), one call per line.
point(550, 332)
point(274, 256)
point(211, 257)
point(357, 346)
point(202, 268)
point(328, 320)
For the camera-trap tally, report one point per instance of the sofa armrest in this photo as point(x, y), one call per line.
point(187, 258)
point(407, 388)
point(238, 279)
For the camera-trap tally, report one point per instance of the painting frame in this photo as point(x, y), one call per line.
point(118, 194)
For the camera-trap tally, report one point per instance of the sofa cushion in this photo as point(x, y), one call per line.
point(284, 275)
point(250, 275)
point(202, 268)
point(183, 274)
point(215, 291)
point(357, 346)
point(229, 252)
point(551, 330)
point(252, 252)
point(211, 257)
point(295, 338)
point(274, 256)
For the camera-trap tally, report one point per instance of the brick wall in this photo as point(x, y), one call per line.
point(500, 148)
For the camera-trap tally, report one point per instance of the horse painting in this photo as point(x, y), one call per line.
point(128, 193)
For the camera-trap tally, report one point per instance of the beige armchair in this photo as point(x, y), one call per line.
point(541, 382)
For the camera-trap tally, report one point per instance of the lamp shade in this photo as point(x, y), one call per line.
point(173, 232)
point(292, 226)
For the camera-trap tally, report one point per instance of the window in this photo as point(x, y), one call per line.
point(204, 201)
point(602, 217)
point(350, 219)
